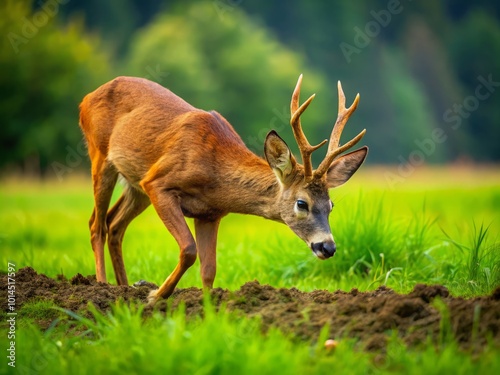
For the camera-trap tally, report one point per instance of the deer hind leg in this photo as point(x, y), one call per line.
point(167, 205)
point(104, 177)
point(206, 241)
point(131, 204)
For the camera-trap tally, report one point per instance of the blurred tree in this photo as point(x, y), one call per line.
point(475, 50)
point(430, 65)
point(220, 59)
point(458, 9)
point(46, 70)
point(114, 20)
point(412, 63)
point(360, 44)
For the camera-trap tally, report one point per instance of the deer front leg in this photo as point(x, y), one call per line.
point(167, 206)
point(206, 240)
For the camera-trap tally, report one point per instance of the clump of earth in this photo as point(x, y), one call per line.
point(367, 316)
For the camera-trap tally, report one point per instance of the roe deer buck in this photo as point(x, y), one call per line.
point(192, 163)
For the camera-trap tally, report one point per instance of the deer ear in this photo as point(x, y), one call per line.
point(343, 168)
point(278, 156)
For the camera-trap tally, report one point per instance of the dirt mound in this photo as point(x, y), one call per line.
point(369, 316)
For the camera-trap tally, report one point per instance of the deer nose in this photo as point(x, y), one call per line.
point(324, 249)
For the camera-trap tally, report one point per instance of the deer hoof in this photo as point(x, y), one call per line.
point(152, 297)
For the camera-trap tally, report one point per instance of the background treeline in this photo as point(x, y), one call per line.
point(427, 71)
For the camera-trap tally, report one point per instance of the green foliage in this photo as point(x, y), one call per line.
point(475, 47)
point(47, 69)
point(220, 343)
point(391, 238)
point(230, 64)
point(480, 268)
point(402, 76)
point(446, 360)
point(384, 238)
point(407, 109)
point(242, 58)
point(173, 345)
point(38, 310)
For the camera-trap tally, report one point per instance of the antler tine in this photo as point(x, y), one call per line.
point(342, 117)
point(333, 148)
point(304, 146)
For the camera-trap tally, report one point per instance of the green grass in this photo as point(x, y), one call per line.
point(438, 227)
point(439, 234)
point(222, 343)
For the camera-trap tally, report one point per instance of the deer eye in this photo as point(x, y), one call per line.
point(331, 205)
point(302, 205)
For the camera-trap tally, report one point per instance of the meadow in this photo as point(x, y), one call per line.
point(437, 226)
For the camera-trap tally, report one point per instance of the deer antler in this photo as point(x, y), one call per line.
point(304, 146)
point(333, 148)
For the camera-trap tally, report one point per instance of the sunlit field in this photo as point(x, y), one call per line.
point(424, 229)
point(438, 226)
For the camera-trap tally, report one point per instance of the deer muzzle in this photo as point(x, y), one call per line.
point(324, 250)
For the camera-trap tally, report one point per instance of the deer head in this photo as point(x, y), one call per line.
point(304, 201)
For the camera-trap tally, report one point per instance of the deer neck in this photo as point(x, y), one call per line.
point(258, 190)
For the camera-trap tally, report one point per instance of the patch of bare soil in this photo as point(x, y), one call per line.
point(368, 316)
